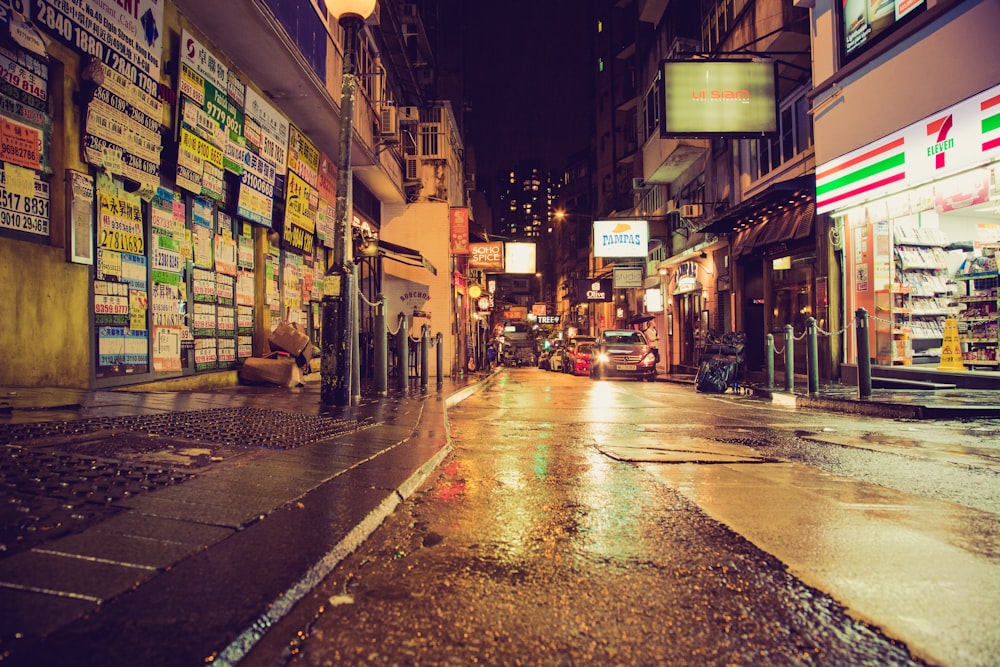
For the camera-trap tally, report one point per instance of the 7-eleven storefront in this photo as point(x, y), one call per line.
point(918, 215)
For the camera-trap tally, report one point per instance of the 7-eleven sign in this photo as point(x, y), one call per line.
point(957, 139)
point(939, 129)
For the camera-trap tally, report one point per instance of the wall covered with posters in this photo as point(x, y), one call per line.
point(154, 223)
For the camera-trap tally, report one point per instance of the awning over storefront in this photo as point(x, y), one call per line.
point(789, 223)
point(404, 255)
point(781, 213)
point(746, 213)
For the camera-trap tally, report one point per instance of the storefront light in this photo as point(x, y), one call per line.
point(782, 263)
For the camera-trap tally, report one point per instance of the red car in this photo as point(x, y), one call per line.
point(579, 363)
point(569, 352)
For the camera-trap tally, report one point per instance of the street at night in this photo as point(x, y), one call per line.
point(608, 522)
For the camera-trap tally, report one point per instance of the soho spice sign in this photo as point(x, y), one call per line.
point(486, 255)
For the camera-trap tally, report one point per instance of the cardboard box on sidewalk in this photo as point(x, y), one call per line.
point(280, 370)
point(289, 338)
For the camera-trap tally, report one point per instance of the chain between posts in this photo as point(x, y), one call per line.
point(811, 331)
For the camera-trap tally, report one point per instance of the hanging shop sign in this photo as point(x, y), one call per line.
point(459, 230)
point(621, 238)
point(959, 138)
point(594, 289)
point(719, 98)
point(627, 277)
point(488, 255)
point(687, 278)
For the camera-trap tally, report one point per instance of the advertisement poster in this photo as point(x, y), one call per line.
point(121, 307)
point(864, 21)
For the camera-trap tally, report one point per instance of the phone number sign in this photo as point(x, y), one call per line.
point(23, 213)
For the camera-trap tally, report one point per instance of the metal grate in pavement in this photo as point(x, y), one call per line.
point(224, 427)
point(57, 478)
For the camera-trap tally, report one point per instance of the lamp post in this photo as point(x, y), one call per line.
point(339, 290)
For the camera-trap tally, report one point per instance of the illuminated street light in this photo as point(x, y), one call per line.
point(339, 289)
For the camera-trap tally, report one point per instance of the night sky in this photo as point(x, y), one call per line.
point(528, 76)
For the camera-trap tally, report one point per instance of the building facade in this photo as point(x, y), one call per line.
point(172, 196)
point(907, 150)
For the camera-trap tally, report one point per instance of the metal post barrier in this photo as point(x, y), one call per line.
point(403, 353)
point(381, 350)
point(789, 359)
point(355, 343)
point(812, 354)
point(864, 353)
point(769, 353)
point(439, 341)
point(425, 344)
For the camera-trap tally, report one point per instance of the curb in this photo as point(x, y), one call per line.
point(275, 611)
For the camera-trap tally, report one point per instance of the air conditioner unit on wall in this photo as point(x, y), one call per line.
point(691, 211)
point(410, 170)
point(388, 126)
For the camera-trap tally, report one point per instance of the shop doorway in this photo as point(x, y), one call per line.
point(690, 329)
point(754, 327)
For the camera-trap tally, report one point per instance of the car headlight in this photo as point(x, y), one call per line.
point(602, 358)
point(649, 359)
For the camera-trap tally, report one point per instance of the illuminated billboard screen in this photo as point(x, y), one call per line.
point(520, 257)
point(718, 98)
point(864, 22)
point(621, 238)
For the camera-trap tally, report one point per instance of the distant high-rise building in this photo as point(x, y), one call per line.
point(525, 202)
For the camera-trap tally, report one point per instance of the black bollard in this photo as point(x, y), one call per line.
point(403, 353)
point(864, 353)
point(381, 350)
point(812, 353)
point(769, 352)
point(439, 341)
point(425, 343)
point(789, 359)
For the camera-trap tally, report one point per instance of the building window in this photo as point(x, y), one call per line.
point(794, 137)
point(651, 107)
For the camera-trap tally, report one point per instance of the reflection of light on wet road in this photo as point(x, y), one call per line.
point(451, 486)
point(600, 398)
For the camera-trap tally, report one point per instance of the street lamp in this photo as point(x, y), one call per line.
point(339, 289)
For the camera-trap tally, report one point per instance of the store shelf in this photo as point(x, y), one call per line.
point(978, 320)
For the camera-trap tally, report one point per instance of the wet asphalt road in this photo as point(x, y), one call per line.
point(548, 537)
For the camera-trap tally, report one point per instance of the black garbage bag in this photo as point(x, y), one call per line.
point(715, 375)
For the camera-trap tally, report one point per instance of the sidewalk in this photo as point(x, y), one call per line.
point(245, 492)
point(889, 403)
point(99, 571)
